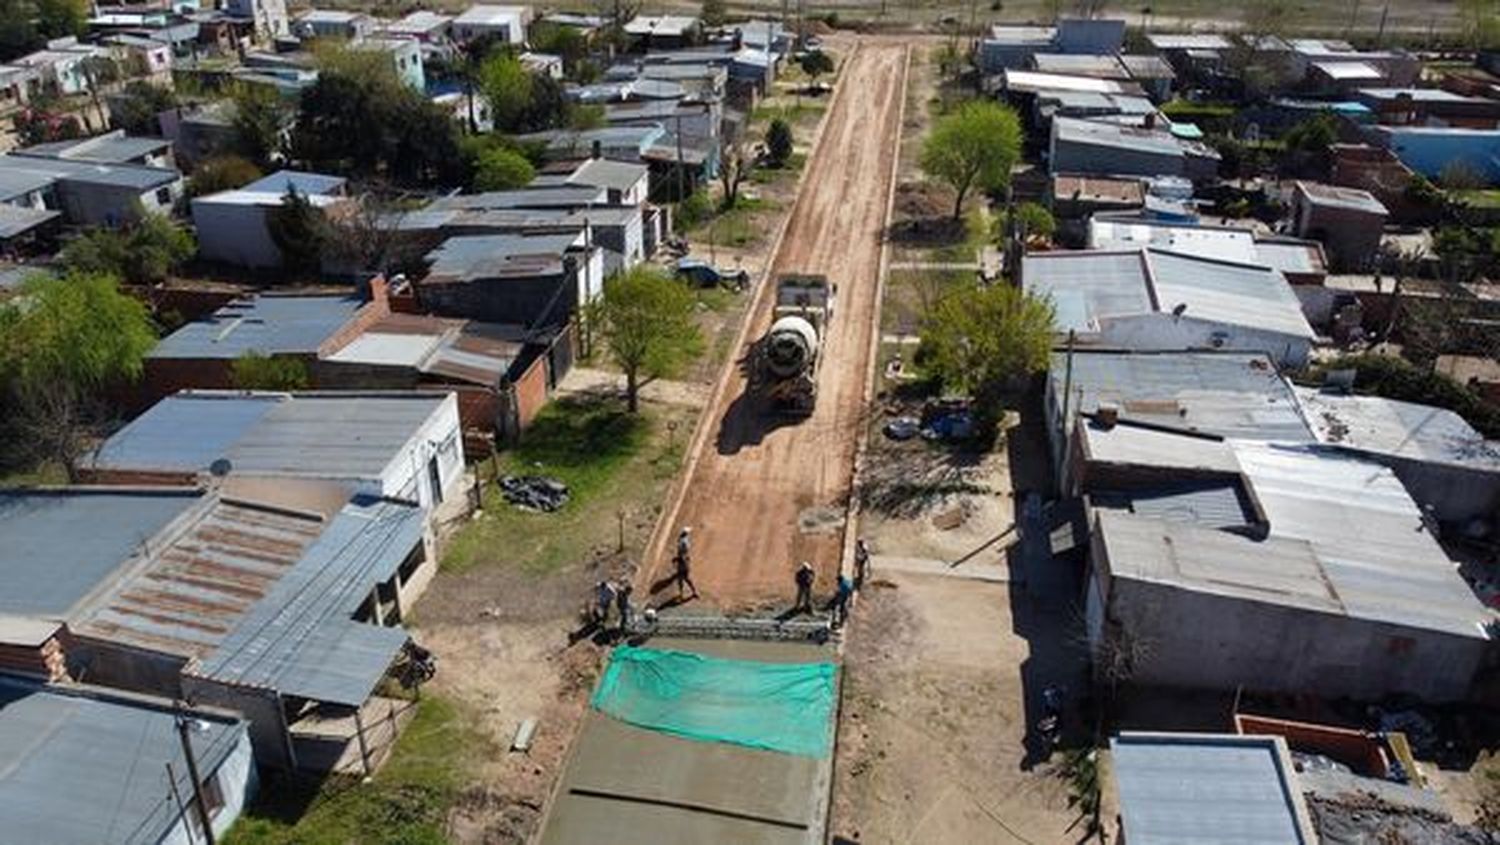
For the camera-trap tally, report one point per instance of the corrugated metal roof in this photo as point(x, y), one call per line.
point(301, 639)
point(316, 435)
point(1089, 286)
point(16, 220)
point(1102, 134)
point(556, 196)
point(306, 183)
point(60, 545)
point(83, 768)
point(479, 257)
point(1210, 504)
point(1177, 789)
point(267, 324)
point(133, 176)
point(1223, 292)
point(1026, 80)
point(1127, 444)
point(1230, 394)
point(189, 594)
point(1401, 429)
point(111, 148)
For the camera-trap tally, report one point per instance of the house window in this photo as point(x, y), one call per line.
point(163, 196)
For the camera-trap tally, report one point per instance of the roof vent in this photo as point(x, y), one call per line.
point(1107, 414)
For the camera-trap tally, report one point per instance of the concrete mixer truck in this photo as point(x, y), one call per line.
point(788, 356)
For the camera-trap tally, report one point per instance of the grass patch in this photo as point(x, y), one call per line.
point(608, 458)
point(717, 299)
point(43, 474)
point(908, 294)
point(806, 106)
point(407, 801)
point(1479, 198)
point(976, 234)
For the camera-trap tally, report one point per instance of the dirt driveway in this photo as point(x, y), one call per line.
point(763, 493)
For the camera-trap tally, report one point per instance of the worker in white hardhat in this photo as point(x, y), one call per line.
point(682, 560)
point(805, 577)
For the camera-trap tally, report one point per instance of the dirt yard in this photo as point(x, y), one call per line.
point(762, 495)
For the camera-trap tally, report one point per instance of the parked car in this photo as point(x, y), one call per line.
point(704, 274)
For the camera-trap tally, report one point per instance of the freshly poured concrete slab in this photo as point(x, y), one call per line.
point(629, 784)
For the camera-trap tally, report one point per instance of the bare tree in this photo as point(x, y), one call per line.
point(735, 163)
point(364, 233)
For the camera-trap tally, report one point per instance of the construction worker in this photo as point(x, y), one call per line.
point(805, 577)
point(604, 598)
point(683, 575)
point(840, 602)
point(861, 562)
point(622, 601)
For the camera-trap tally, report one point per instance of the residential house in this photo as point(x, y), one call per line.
point(1108, 149)
point(425, 25)
point(1151, 299)
point(113, 147)
point(232, 225)
point(269, 19)
point(18, 84)
point(1010, 47)
point(1430, 107)
point(1348, 222)
point(542, 64)
point(405, 56)
point(93, 193)
point(87, 765)
point(201, 132)
point(663, 32)
point(537, 281)
point(401, 445)
point(279, 599)
point(767, 36)
point(62, 67)
point(506, 24)
point(1449, 469)
point(1323, 61)
point(1432, 150)
point(331, 23)
point(1217, 394)
point(1192, 55)
point(1204, 787)
point(1232, 564)
point(565, 209)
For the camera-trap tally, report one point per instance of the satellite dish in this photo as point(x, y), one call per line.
point(220, 468)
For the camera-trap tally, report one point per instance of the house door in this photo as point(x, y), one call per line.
point(435, 478)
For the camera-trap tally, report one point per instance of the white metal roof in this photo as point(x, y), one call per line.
point(1399, 429)
point(1025, 80)
point(1348, 70)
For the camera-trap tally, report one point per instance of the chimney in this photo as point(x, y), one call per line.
point(598, 149)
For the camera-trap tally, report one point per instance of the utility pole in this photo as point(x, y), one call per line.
point(1067, 426)
point(192, 764)
point(187, 826)
point(1380, 36)
point(681, 165)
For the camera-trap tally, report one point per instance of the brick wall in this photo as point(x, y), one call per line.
point(135, 478)
point(377, 309)
point(531, 391)
point(165, 376)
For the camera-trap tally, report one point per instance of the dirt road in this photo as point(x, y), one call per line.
point(765, 492)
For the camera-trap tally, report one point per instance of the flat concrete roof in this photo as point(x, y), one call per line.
point(665, 789)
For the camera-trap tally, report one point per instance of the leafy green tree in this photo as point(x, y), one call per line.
point(565, 42)
point(221, 173)
point(297, 228)
point(60, 18)
point(977, 337)
point(259, 120)
point(779, 142)
point(646, 320)
point(1034, 220)
point(507, 85)
point(255, 370)
point(146, 252)
point(360, 119)
point(137, 106)
point(815, 63)
point(502, 169)
point(974, 146)
point(713, 13)
point(589, 116)
point(63, 340)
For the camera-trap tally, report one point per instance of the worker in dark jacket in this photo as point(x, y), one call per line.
point(683, 574)
point(805, 577)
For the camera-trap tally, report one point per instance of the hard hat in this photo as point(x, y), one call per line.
point(687, 529)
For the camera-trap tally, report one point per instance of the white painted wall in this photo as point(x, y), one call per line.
point(1145, 332)
point(405, 477)
point(237, 782)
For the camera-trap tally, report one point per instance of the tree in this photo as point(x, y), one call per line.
point(977, 337)
point(1479, 21)
point(565, 42)
point(221, 173)
point(815, 63)
point(502, 169)
point(297, 229)
point(259, 119)
point(735, 164)
point(145, 252)
point(506, 83)
point(136, 108)
point(779, 143)
point(255, 370)
point(646, 320)
point(1033, 220)
point(62, 341)
point(974, 146)
point(586, 116)
point(713, 13)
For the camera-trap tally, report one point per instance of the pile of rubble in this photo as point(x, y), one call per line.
point(534, 492)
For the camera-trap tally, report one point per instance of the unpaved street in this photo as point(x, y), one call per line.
point(765, 492)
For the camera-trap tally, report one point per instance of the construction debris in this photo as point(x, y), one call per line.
point(534, 492)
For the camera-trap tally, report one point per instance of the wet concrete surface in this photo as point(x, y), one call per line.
point(625, 784)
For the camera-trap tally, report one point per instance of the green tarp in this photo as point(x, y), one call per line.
point(785, 707)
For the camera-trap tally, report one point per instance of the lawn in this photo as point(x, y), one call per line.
point(908, 293)
point(1480, 198)
point(406, 802)
point(608, 458)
